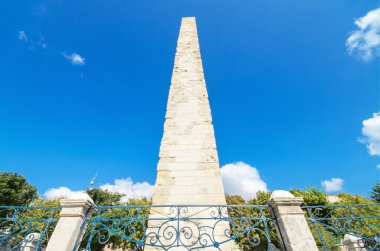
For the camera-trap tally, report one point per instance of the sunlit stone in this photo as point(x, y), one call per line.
point(188, 170)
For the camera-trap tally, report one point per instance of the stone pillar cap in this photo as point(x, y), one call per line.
point(284, 198)
point(80, 196)
point(280, 194)
point(76, 198)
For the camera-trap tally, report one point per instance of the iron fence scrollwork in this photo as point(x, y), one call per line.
point(191, 227)
point(22, 226)
point(330, 225)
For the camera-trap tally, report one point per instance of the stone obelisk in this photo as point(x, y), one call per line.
point(188, 170)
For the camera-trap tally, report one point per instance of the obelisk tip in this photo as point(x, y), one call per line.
point(188, 18)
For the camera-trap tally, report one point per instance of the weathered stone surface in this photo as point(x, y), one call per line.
point(69, 227)
point(292, 225)
point(188, 160)
point(188, 170)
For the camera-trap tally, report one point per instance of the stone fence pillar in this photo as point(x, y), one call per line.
point(69, 227)
point(291, 222)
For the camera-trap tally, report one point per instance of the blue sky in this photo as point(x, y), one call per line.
point(83, 88)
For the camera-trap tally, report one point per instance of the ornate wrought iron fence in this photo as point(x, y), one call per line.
point(191, 227)
point(22, 226)
point(330, 223)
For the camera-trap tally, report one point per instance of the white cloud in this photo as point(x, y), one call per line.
point(61, 192)
point(123, 186)
point(333, 185)
point(378, 166)
point(242, 179)
point(365, 41)
point(371, 132)
point(129, 189)
point(74, 58)
point(21, 35)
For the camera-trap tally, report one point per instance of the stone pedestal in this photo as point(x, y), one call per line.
point(292, 224)
point(68, 232)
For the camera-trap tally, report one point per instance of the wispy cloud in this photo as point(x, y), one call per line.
point(365, 41)
point(21, 35)
point(74, 58)
point(371, 132)
point(242, 179)
point(41, 42)
point(333, 185)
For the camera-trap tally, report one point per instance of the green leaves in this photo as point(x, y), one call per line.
point(15, 190)
point(312, 196)
point(113, 226)
point(375, 194)
point(103, 197)
point(263, 234)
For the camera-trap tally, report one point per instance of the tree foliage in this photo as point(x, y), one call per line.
point(262, 198)
point(27, 220)
point(375, 193)
point(126, 221)
point(234, 200)
point(15, 190)
point(312, 196)
point(334, 219)
point(349, 199)
point(249, 217)
point(137, 229)
point(104, 198)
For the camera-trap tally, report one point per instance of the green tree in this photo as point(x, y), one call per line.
point(375, 193)
point(125, 219)
point(40, 213)
point(357, 211)
point(262, 198)
point(312, 196)
point(15, 190)
point(104, 198)
point(331, 217)
point(234, 200)
point(26, 220)
point(349, 199)
point(249, 218)
point(135, 230)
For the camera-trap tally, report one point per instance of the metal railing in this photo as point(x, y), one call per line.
point(191, 227)
point(22, 226)
point(331, 223)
